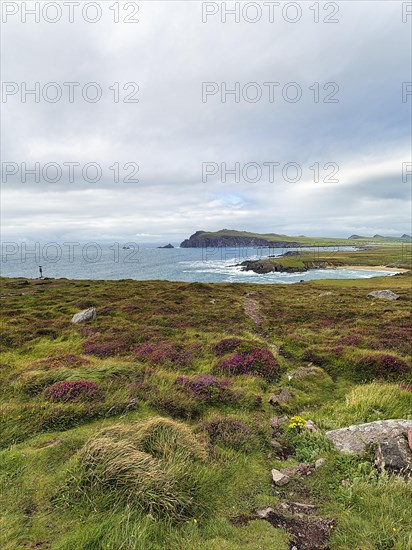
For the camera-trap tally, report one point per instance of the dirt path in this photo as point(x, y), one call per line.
point(251, 307)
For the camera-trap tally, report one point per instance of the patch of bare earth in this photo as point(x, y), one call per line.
point(251, 308)
point(307, 531)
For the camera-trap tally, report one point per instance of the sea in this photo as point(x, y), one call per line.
point(143, 261)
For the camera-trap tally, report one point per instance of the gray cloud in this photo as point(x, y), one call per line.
point(171, 132)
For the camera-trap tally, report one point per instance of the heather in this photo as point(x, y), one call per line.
point(255, 362)
point(207, 388)
point(72, 390)
point(151, 426)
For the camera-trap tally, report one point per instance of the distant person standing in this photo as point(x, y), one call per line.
point(41, 271)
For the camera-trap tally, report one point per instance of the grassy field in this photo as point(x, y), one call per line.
point(394, 255)
point(149, 427)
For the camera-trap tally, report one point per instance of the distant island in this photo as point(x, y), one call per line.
point(166, 246)
point(235, 238)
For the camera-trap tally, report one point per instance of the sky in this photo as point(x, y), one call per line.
point(315, 139)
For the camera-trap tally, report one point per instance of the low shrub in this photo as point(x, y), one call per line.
point(177, 404)
point(256, 362)
point(167, 352)
point(73, 390)
point(206, 388)
point(315, 355)
point(227, 345)
point(230, 432)
point(380, 365)
point(68, 360)
point(106, 348)
point(34, 382)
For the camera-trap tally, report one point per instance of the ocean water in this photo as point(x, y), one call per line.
point(147, 262)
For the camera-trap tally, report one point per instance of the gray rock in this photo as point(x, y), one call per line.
point(277, 421)
point(301, 373)
point(85, 315)
point(299, 470)
point(383, 295)
point(319, 463)
point(264, 513)
point(282, 396)
point(394, 455)
point(311, 426)
point(355, 439)
point(279, 478)
point(322, 294)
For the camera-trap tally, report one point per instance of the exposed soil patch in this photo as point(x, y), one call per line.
point(307, 533)
point(252, 308)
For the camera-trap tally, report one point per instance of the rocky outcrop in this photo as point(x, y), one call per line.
point(84, 316)
point(268, 266)
point(202, 239)
point(394, 455)
point(383, 295)
point(355, 439)
point(271, 266)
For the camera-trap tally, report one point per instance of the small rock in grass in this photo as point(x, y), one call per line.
point(322, 294)
point(383, 295)
point(277, 421)
point(279, 478)
point(85, 315)
point(410, 438)
point(311, 426)
point(319, 463)
point(299, 470)
point(264, 513)
point(300, 373)
point(282, 396)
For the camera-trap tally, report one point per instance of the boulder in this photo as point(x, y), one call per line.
point(280, 397)
point(84, 316)
point(355, 439)
point(383, 295)
point(394, 455)
point(279, 478)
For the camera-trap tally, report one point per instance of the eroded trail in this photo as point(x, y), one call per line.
point(251, 307)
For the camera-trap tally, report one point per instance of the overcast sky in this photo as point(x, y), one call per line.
point(170, 132)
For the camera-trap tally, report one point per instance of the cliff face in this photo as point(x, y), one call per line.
point(200, 239)
point(271, 266)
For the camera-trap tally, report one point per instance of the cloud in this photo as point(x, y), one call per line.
point(170, 132)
